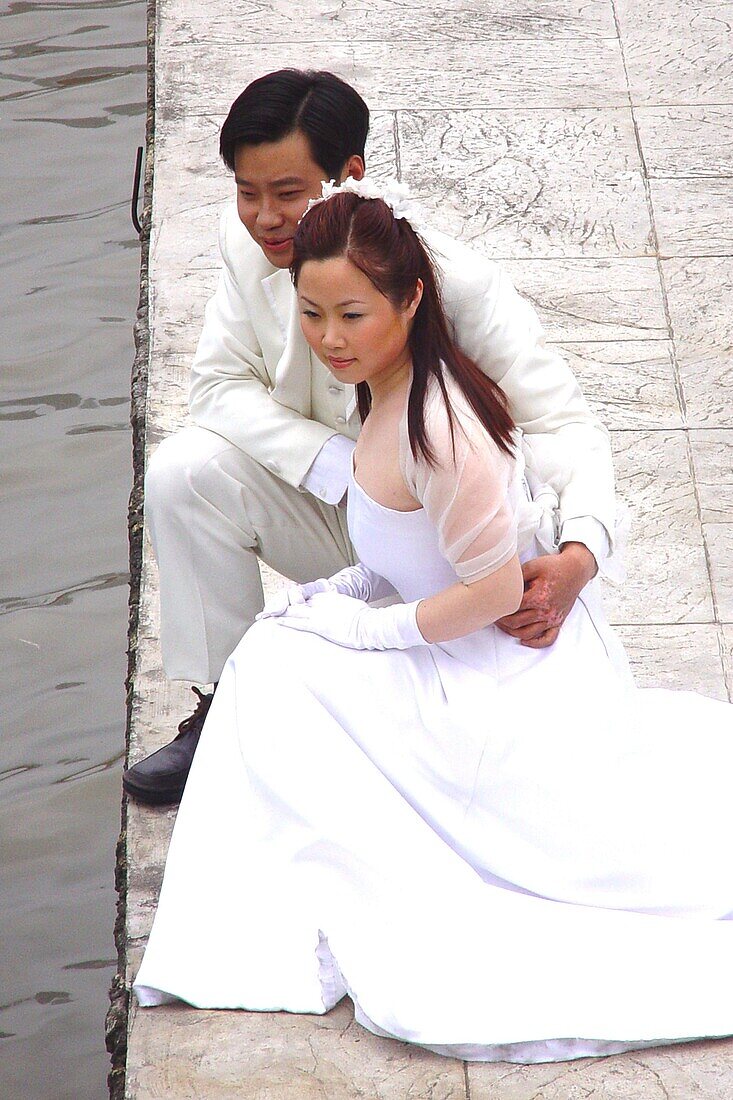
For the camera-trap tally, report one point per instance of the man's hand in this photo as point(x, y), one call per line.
point(552, 584)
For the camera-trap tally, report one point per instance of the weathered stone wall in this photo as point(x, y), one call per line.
point(117, 1016)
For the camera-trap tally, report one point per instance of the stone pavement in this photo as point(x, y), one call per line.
point(588, 145)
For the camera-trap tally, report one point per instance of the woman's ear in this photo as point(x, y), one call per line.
point(414, 302)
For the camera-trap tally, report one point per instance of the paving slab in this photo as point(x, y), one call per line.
point(686, 141)
point(505, 185)
point(320, 21)
point(727, 649)
point(684, 1072)
point(712, 455)
point(719, 543)
point(574, 73)
point(681, 657)
point(594, 299)
point(677, 51)
point(668, 579)
point(277, 1056)
point(628, 383)
point(585, 144)
point(693, 217)
point(699, 291)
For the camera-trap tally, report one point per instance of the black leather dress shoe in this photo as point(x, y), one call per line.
point(160, 778)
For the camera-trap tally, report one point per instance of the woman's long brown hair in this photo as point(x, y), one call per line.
point(391, 255)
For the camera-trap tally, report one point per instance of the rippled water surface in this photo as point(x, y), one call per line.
point(72, 85)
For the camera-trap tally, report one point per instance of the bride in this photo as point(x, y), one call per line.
point(497, 852)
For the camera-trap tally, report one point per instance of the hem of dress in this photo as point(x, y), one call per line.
point(518, 1052)
point(335, 986)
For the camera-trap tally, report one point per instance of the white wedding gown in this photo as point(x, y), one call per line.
point(497, 852)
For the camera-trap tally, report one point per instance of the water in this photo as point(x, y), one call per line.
point(72, 109)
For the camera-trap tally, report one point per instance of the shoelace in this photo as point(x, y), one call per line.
point(197, 718)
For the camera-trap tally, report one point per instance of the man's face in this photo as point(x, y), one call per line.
point(274, 182)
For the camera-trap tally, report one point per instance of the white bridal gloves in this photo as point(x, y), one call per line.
point(356, 580)
point(337, 609)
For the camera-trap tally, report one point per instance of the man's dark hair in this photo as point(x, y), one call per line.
point(325, 109)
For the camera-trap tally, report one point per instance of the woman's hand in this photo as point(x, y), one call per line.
point(279, 603)
point(336, 609)
point(353, 624)
point(355, 580)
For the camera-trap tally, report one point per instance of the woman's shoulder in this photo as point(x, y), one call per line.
point(455, 433)
point(450, 407)
point(439, 397)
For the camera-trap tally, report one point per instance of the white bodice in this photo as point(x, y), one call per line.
point(402, 547)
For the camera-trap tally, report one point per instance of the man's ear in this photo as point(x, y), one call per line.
point(353, 167)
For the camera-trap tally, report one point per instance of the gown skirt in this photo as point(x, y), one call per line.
point(498, 853)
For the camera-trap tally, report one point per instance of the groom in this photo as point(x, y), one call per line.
point(263, 470)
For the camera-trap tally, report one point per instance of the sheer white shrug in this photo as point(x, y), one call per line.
point(472, 494)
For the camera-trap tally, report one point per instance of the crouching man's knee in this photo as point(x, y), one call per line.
point(180, 468)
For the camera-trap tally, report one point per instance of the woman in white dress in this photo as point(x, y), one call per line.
point(497, 852)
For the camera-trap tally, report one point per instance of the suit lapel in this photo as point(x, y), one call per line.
point(351, 414)
point(293, 372)
point(279, 294)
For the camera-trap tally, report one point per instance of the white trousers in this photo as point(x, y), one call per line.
point(212, 511)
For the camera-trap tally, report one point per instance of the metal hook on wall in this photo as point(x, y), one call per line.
point(136, 190)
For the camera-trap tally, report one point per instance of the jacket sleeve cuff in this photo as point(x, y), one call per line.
point(328, 476)
point(591, 533)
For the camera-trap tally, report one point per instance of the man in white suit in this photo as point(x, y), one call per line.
point(262, 473)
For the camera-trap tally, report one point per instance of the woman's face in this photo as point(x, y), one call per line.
point(351, 327)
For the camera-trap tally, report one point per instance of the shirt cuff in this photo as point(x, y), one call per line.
point(591, 532)
point(328, 476)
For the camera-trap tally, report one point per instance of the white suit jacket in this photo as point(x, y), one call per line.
point(251, 376)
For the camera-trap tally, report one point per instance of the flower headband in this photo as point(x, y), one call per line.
point(395, 194)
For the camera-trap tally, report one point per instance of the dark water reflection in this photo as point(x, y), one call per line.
point(72, 107)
